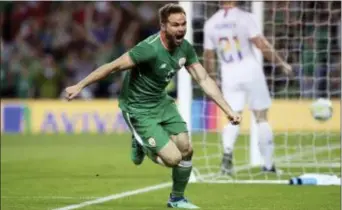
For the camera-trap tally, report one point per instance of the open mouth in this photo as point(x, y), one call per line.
point(179, 37)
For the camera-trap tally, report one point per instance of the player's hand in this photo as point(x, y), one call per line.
point(72, 92)
point(287, 69)
point(235, 118)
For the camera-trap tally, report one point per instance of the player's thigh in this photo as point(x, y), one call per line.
point(258, 95)
point(158, 143)
point(176, 128)
point(170, 154)
point(235, 96)
point(183, 143)
point(147, 131)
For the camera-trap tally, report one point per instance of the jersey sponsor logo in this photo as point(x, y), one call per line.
point(152, 142)
point(181, 62)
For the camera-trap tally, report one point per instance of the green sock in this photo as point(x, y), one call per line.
point(180, 177)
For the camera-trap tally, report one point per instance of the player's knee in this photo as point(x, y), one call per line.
point(187, 153)
point(176, 160)
point(260, 116)
point(184, 146)
point(173, 161)
point(260, 120)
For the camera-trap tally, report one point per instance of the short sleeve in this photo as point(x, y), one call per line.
point(208, 42)
point(252, 27)
point(191, 56)
point(142, 52)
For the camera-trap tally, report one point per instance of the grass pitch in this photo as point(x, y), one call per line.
point(53, 171)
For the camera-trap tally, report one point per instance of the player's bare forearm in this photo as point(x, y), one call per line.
point(271, 54)
point(267, 50)
point(122, 63)
point(209, 86)
point(96, 75)
point(209, 62)
point(212, 90)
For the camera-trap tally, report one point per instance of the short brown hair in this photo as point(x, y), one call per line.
point(167, 10)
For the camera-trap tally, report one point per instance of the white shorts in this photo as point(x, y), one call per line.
point(246, 85)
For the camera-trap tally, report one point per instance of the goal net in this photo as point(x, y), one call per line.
point(307, 35)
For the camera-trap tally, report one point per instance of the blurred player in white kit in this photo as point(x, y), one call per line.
point(230, 34)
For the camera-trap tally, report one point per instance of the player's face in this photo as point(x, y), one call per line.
point(176, 28)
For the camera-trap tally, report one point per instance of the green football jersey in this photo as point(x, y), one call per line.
point(144, 85)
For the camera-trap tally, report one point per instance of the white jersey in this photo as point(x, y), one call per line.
point(242, 78)
point(229, 32)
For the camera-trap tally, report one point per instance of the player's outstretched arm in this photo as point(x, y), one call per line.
point(270, 53)
point(122, 63)
point(209, 53)
point(209, 62)
point(208, 85)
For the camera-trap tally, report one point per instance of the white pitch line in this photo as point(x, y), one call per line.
point(117, 196)
point(49, 197)
point(168, 184)
point(126, 194)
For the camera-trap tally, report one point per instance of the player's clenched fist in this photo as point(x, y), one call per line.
point(72, 91)
point(235, 118)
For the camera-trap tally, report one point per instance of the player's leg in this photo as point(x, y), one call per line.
point(149, 138)
point(165, 152)
point(235, 96)
point(137, 153)
point(168, 155)
point(259, 103)
point(175, 126)
point(266, 144)
point(149, 132)
point(181, 173)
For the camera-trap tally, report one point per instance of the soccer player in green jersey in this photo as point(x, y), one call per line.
point(157, 127)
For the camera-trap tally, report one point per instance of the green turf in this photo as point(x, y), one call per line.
point(50, 171)
point(304, 148)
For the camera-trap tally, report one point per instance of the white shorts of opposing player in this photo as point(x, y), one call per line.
point(245, 83)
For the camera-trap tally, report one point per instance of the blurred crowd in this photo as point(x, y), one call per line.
point(46, 46)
